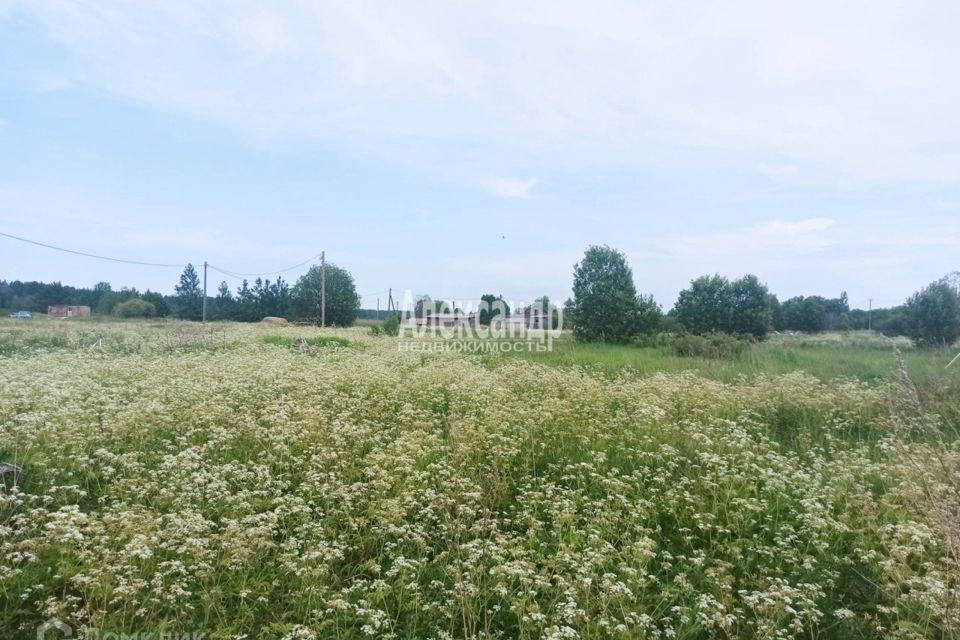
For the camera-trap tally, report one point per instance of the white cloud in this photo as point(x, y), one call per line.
point(510, 187)
point(858, 90)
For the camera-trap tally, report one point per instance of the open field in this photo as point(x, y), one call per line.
point(827, 357)
point(232, 481)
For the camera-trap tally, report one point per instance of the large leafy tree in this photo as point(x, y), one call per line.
point(752, 307)
point(933, 314)
point(343, 303)
point(189, 295)
point(814, 313)
point(706, 305)
point(649, 314)
point(604, 297)
point(805, 313)
point(713, 303)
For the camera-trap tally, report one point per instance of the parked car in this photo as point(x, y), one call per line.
point(21, 315)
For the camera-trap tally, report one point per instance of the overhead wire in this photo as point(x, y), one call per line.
point(92, 255)
point(152, 264)
point(226, 272)
point(236, 274)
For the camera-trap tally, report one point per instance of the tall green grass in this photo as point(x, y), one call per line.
point(823, 362)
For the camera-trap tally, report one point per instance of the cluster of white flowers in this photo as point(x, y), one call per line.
point(242, 488)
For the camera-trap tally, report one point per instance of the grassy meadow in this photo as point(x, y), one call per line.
point(832, 356)
point(248, 481)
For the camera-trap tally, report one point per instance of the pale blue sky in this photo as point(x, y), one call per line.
point(462, 148)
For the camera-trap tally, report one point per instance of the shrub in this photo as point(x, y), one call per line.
point(718, 346)
point(135, 308)
point(391, 324)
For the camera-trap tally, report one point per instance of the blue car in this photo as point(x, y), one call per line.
point(21, 315)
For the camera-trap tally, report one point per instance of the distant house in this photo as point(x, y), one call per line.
point(455, 319)
point(508, 323)
point(527, 318)
point(67, 310)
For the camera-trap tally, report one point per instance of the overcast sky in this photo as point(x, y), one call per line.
point(457, 148)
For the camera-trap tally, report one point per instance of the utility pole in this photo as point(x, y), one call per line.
point(323, 289)
point(204, 291)
point(390, 301)
point(870, 314)
point(378, 307)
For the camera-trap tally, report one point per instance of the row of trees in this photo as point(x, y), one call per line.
point(101, 298)
point(250, 302)
point(606, 307)
point(253, 301)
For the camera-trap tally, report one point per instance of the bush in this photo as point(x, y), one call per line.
point(391, 324)
point(717, 346)
point(135, 308)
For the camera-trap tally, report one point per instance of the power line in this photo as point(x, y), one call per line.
point(92, 255)
point(235, 274)
point(85, 254)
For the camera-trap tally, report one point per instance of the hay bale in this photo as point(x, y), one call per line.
point(274, 320)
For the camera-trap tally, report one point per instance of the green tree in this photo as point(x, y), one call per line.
point(569, 314)
point(814, 313)
point(158, 301)
point(752, 307)
point(706, 306)
point(245, 307)
point(427, 306)
point(604, 297)
point(224, 306)
point(933, 314)
point(343, 303)
point(542, 309)
point(649, 315)
point(189, 295)
point(492, 306)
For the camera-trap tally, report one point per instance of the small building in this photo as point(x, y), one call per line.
point(67, 310)
point(508, 323)
point(455, 319)
point(527, 318)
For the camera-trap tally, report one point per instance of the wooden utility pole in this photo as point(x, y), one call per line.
point(323, 289)
point(870, 315)
point(204, 291)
